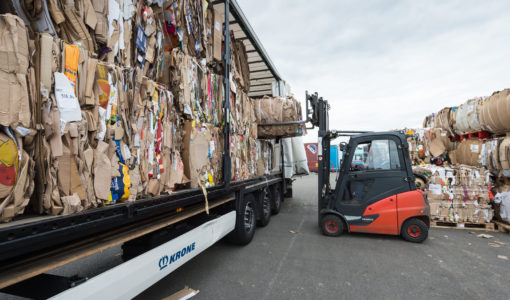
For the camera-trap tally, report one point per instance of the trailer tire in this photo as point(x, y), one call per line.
point(414, 230)
point(264, 207)
point(332, 225)
point(276, 199)
point(245, 222)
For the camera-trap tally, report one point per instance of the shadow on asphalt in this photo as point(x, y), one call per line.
point(360, 235)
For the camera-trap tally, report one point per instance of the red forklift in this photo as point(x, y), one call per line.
point(377, 195)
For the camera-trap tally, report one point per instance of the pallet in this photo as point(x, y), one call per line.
point(475, 135)
point(502, 227)
point(461, 225)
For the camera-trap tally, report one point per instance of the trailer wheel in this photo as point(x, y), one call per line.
point(332, 225)
point(245, 222)
point(276, 199)
point(264, 208)
point(414, 230)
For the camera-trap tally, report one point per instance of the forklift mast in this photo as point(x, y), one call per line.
point(317, 113)
point(317, 110)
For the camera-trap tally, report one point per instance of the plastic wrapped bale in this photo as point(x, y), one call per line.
point(489, 155)
point(502, 199)
point(504, 156)
point(466, 116)
point(295, 161)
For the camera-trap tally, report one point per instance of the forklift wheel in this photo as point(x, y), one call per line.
point(414, 230)
point(332, 225)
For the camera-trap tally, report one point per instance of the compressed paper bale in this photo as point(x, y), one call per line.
point(13, 45)
point(495, 114)
point(72, 204)
point(102, 171)
point(468, 152)
point(19, 196)
point(195, 153)
point(114, 97)
point(504, 155)
point(444, 119)
point(14, 104)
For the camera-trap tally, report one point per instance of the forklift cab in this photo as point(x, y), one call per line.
point(374, 166)
point(375, 191)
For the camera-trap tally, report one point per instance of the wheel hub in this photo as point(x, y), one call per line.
point(331, 226)
point(266, 203)
point(248, 217)
point(414, 231)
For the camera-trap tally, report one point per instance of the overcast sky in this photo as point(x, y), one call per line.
point(386, 64)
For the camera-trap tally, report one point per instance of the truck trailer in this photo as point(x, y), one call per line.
point(158, 234)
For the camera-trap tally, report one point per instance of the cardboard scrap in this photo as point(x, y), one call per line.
point(485, 236)
point(185, 293)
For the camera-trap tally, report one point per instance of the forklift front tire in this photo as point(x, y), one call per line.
point(414, 230)
point(332, 225)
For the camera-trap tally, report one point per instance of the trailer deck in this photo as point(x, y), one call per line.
point(27, 239)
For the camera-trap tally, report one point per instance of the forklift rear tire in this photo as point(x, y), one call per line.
point(414, 230)
point(264, 208)
point(245, 222)
point(332, 225)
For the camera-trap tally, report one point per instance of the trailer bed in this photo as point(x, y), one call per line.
point(28, 237)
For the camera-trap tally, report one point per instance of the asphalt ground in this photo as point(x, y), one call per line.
point(291, 259)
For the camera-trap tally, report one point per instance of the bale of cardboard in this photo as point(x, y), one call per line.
point(119, 100)
point(459, 194)
point(277, 110)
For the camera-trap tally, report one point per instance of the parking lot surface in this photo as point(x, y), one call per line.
point(290, 259)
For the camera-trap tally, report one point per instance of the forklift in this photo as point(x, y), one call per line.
point(377, 195)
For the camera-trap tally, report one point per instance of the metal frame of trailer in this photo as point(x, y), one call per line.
point(31, 247)
point(30, 238)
